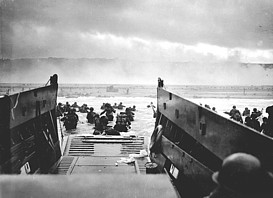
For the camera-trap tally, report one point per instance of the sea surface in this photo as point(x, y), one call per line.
point(141, 126)
point(144, 122)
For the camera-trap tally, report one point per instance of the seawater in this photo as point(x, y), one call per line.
point(143, 125)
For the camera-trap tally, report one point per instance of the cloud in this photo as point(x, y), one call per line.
point(184, 42)
point(40, 40)
point(55, 28)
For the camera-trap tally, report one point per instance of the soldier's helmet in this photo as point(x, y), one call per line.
point(243, 174)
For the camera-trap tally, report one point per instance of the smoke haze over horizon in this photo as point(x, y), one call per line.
point(113, 71)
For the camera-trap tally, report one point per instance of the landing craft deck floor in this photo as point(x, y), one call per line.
point(100, 154)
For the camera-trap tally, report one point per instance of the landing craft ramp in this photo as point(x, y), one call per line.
point(89, 167)
point(86, 154)
point(92, 166)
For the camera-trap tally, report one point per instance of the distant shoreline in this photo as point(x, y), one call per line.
point(186, 91)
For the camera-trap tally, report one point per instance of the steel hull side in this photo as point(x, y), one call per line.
point(221, 136)
point(28, 131)
point(195, 140)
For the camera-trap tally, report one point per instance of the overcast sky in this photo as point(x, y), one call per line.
point(164, 31)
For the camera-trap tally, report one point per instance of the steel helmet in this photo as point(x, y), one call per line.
point(243, 174)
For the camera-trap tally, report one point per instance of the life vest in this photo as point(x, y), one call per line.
point(121, 120)
point(156, 139)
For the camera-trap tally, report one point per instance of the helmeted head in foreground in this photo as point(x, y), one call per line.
point(242, 175)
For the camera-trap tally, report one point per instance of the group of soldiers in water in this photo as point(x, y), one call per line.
point(252, 119)
point(70, 118)
point(123, 119)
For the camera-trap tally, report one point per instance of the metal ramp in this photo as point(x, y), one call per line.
point(99, 154)
point(64, 165)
